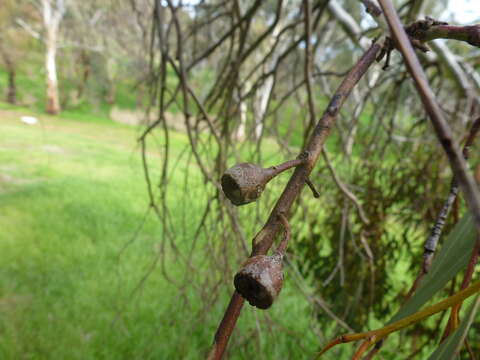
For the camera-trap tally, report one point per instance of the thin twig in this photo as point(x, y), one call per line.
point(343, 188)
point(317, 299)
point(312, 187)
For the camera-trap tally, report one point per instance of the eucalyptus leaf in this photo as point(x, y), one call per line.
point(452, 258)
point(449, 348)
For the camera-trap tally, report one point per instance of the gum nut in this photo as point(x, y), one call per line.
point(243, 183)
point(260, 280)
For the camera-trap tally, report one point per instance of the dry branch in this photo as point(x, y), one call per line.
point(264, 239)
point(427, 31)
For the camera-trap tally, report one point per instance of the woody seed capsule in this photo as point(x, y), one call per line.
point(260, 280)
point(245, 182)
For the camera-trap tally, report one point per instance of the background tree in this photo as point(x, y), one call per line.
point(10, 38)
point(100, 46)
point(53, 12)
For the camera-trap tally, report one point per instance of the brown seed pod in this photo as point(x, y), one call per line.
point(260, 280)
point(245, 182)
point(261, 277)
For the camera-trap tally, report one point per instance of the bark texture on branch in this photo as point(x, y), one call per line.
point(469, 34)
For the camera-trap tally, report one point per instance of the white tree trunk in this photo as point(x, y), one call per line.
point(240, 133)
point(261, 106)
point(53, 11)
point(53, 104)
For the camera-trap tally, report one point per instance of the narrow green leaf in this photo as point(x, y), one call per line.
point(451, 346)
point(452, 258)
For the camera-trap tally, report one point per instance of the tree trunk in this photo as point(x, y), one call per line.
point(53, 104)
point(52, 15)
point(10, 67)
point(240, 133)
point(12, 87)
point(85, 68)
point(111, 93)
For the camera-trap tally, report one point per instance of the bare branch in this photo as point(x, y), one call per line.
point(348, 22)
point(343, 188)
point(29, 29)
point(426, 32)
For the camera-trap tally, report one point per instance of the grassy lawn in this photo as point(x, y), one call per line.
point(72, 197)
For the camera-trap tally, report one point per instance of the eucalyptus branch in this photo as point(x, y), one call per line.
point(430, 29)
point(264, 239)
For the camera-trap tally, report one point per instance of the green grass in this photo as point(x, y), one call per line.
point(72, 196)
